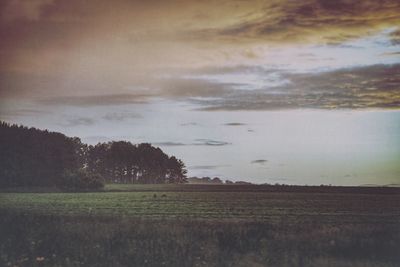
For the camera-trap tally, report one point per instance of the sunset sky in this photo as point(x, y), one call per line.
point(296, 92)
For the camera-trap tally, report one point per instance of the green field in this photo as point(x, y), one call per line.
point(156, 225)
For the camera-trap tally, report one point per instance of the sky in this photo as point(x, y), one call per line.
point(295, 92)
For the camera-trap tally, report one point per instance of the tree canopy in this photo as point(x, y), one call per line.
point(33, 157)
point(123, 162)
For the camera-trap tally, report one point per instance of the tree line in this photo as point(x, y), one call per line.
point(33, 157)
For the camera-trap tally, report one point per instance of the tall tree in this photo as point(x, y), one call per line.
point(32, 157)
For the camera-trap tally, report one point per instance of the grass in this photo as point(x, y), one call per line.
point(158, 225)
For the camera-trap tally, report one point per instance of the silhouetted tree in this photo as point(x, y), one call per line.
point(123, 162)
point(176, 171)
point(32, 157)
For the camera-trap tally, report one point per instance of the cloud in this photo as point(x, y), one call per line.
point(120, 116)
point(259, 161)
point(395, 37)
point(347, 46)
point(207, 167)
point(29, 10)
point(22, 112)
point(189, 124)
point(181, 87)
point(78, 121)
point(318, 21)
point(351, 88)
point(238, 69)
point(197, 142)
point(234, 124)
point(84, 54)
point(169, 144)
point(16, 84)
point(95, 100)
point(395, 53)
point(210, 142)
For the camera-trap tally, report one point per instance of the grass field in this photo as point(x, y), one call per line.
point(156, 225)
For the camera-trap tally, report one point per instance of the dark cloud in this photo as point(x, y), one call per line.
point(197, 142)
point(61, 49)
point(313, 20)
point(354, 88)
point(95, 100)
point(234, 124)
point(395, 37)
point(169, 144)
point(209, 142)
point(259, 161)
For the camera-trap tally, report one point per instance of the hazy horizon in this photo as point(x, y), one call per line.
point(263, 91)
point(290, 147)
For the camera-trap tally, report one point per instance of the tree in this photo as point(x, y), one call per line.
point(32, 157)
point(123, 162)
point(176, 171)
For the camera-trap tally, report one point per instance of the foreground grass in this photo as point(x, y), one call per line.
point(183, 228)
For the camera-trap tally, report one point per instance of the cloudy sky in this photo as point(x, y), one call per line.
point(298, 92)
